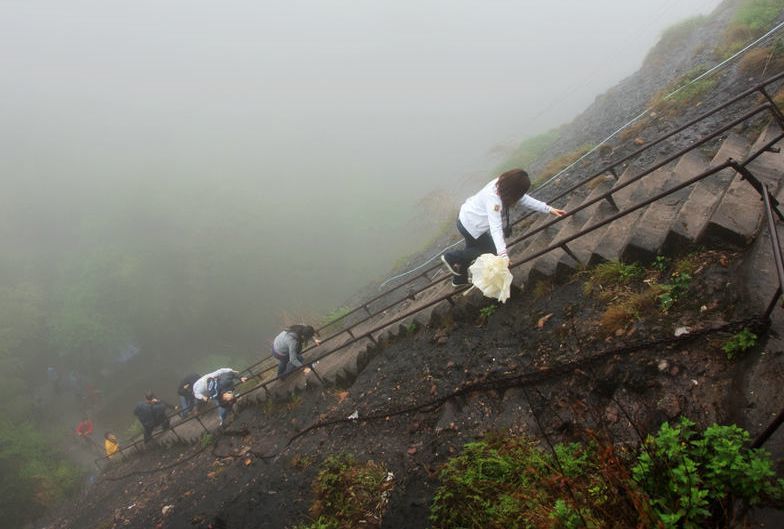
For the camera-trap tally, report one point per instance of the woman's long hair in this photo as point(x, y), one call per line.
point(302, 332)
point(511, 187)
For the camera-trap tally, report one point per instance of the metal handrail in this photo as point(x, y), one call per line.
point(368, 335)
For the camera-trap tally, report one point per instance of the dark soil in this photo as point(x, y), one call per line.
point(251, 477)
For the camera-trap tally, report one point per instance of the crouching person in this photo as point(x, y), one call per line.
point(185, 392)
point(151, 414)
point(288, 345)
point(219, 386)
point(110, 444)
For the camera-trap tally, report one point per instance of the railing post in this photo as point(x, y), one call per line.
point(202, 424)
point(351, 334)
point(313, 369)
point(569, 252)
point(609, 198)
point(771, 203)
point(773, 106)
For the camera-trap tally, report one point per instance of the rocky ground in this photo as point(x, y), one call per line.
point(538, 365)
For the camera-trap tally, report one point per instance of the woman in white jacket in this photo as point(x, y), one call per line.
point(484, 221)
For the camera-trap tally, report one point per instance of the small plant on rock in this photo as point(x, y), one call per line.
point(671, 292)
point(689, 476)
point(739, 343)
point(611, 276)
point(486, 312)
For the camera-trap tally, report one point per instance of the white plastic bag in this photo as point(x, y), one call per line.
point(491, 275)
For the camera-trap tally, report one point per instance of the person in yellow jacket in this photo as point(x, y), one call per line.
point(110, 444)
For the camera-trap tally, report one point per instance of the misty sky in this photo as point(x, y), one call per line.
point(335, 115)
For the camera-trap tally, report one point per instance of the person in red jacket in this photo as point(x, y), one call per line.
point(84, 431)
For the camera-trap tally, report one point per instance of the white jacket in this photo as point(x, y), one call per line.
point(200, 390)
point(482, 212)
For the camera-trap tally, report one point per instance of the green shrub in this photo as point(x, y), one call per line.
point(688, 475)
point(529, 151)
point(674, 290)
point(508, 481)
point(739, 343)
point(752, 19)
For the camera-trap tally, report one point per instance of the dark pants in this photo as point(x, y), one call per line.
point(148, 428)
point(283, 363)
point(473, 249)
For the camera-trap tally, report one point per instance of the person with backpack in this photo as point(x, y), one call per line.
point(219, 386)
point(185, 392)
point(151, 413)
point(288, 345)
point(484, 221)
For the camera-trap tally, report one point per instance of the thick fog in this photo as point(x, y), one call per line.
point(258, 161)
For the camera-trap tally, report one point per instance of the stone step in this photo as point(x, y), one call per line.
point(583, 246)
point(704, 197)
point(613, 241)
point(547, 266)
point(739, 214)
point(650, 231)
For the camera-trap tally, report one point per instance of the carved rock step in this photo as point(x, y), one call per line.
point(737, 218)
point(650, 231)
point(613, 241)
point(558, 263)
point(704, 197)
point(583, 246)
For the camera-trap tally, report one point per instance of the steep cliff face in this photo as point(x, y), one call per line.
point(684, 52)
point(551, 360)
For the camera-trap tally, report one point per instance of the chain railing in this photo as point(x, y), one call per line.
point(355, 336)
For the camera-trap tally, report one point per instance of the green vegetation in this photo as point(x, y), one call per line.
point(752, 19)
point(349, 494)
point(34, 476)
point(681, 478)
point(509, 481)
point(530, 150)
point(486, 312)
point(686, 93)
point(689, 475)
point(336, 317)
point(631, 290)
point(739, 344)
point(672, 291)
point(206, 440)
point(611, 275)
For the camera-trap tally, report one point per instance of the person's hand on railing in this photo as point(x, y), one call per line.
point(557, 212)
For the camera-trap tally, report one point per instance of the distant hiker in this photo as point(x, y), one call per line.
point(219, 386)
point(151, 413)
point(484, 221)
point(185, 392)
point(288, 345)
point(84, 431)
point(110, 444)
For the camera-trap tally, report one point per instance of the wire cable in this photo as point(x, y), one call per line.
point(608, 138)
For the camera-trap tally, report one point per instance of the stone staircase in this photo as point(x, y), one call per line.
point(721, 209)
